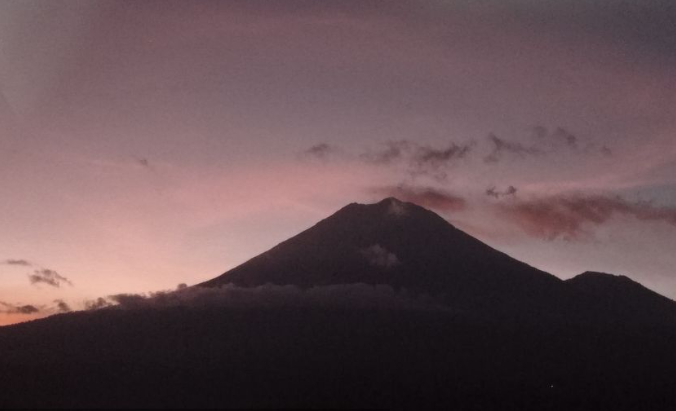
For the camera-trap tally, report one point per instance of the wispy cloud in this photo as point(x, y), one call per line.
point(62, 306)
point(432, 161)
point(418, 159)
point(48, 277)
point(392, 152)
point(544, 141)
point(424, 196)
point(558, 135)
point(322, 151)
point(143, 162)
point(495, 193)
point(230, 296)
point(561, 137)
point(379, 256)
point(501, 146)
point(23, 263)
point(573, 217)
point(7, 308)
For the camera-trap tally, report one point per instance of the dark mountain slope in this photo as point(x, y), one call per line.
point(403, 245)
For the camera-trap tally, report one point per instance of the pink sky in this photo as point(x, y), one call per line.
point(147, 144)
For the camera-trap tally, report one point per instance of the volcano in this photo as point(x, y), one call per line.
point(409, 247)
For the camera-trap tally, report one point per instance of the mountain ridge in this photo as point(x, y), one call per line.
point(407, 246)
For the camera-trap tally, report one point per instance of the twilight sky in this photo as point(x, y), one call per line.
point(147, 144)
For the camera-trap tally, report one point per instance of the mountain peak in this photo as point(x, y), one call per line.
point(599, 276)
point(621, 297)
point(402, 245)
point(389, 201)
point(599, 279)
point(395, 206)
point(385, 203)
point(387, 211)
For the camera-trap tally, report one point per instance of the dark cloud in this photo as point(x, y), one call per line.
point(562, 137)
point(320, 151)
point(433, 161)
point(143, 162)
point(425, 160)
point(18, 309)
point(501, 146)
point(418, 159)
point(339, 296)
point(62, 306)
point(49, 277)
point(572, 217)
point(566, 137)
point(23, 263)
point(509, 191)
point(545, 142)
point(394, 151)
point(424, 196)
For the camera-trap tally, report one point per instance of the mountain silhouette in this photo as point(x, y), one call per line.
point(407, 246)
point(619, 298)
point(500, 334)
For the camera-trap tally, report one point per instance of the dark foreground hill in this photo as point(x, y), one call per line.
point(215, 357)
point(457, 325)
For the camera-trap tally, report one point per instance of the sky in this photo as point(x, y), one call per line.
point(149, 144)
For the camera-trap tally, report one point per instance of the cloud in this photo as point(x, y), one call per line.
point(509, 191)
point(572, 217)
point(24, 263)
point(127, 300)
point(501, 146)
point(562, 137)
point(566, 137)
point(230, 296)
point(320, 151)
point(424, 196)
point(418, 159)
point(378, 256)
point(49, 277)
point(393, 151)
point(18, 309)
point(62, 306)
point(397, 208)
point(432, 161)
point(143, 162)
point(426, 160)
point(546, 142)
